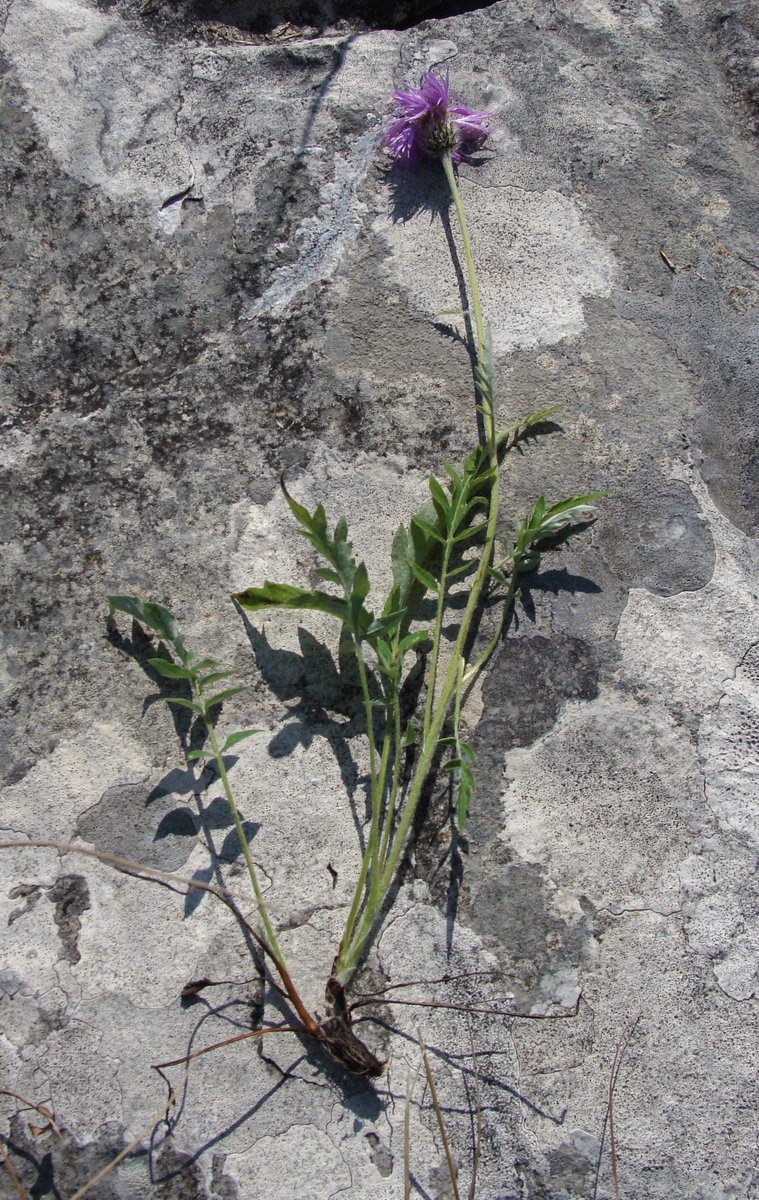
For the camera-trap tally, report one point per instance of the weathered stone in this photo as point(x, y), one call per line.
point(210, 278)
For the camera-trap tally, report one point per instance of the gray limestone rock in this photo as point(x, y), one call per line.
point(210, 276)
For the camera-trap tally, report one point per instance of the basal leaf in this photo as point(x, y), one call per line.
point(361, 584)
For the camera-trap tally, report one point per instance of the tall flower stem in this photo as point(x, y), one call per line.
point(474, 291)
point(359, 931)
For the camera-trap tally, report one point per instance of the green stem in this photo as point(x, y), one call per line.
point(473, 289)
point(271, 937)
point(376, 800)
point(390, 814)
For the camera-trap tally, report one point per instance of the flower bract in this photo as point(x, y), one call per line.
point(430, 121)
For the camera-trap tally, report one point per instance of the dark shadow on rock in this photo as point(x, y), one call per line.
point(273, 18)
point(53, 1163)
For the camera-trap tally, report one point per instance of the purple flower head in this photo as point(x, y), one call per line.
point(430, 120)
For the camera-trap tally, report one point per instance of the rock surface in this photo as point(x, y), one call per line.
point(209, 278)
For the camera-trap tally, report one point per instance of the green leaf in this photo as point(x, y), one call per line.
point(465, 569)
point(409, 737)
point(180, 700)
point(499, 576)
point(220, 697)
point(516, 431)
point(300, 513)
point(412, 640)
point(327, 574)
point(194, 755)
point(234, 738)
point(170, 670)
point(453, 764)
point(204, 663)
point(424, 577)
point(155, 616)
point(384, 623)
point(429, 529)
point(361, 586)
point(573, 511)
point(400, 560)
point(471, 531)
point(282, 595)
point(455, 477)
point(439, 496)
point(214, 677)
point(528, 562)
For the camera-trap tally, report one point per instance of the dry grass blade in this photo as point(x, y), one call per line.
point(410, 1085)
point(125, 864)
point(239, 1037)
point(439, 1115)
point(622, 1045)
point(478, 1111)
